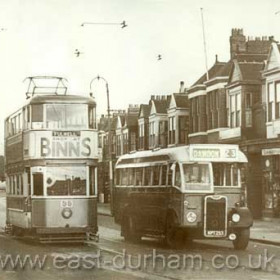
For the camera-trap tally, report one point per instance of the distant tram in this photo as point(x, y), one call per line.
point(183, 193)
point(51, 164)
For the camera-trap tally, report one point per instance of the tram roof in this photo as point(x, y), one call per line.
point(191, 153)
point(39, 99)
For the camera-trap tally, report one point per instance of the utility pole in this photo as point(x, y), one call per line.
point(204, 43)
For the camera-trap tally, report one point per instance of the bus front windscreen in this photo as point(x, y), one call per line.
point(197, 177)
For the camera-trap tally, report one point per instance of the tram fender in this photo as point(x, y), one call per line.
point(246, 219)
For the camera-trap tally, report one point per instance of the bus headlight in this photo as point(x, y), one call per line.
point(235, 217)
point(191, 217)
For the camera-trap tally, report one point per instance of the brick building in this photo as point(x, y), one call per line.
point(227, 107)
point(271, 146)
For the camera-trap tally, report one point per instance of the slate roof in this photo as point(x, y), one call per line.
point(213, 72)
point(162, 105)
point(145, 108)
point(251, 71)
point(181, 100)
point(251, 57)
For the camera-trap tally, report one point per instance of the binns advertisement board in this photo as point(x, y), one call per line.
point(60, 144)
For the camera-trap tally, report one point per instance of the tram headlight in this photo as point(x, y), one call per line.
point(235, 217)
point(66, 213)
point(191, 217)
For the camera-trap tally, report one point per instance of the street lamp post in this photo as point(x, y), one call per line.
point(109, 139)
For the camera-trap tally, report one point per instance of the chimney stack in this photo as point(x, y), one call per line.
point(181, 89)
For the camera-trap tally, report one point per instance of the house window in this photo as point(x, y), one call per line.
point(152, 134)
point(172, 127)
point(118, 145)
point(270, 101)
point(248, 110)
point(195, 114)
point(125, 143)
point(183, 129)
point(162, 133)
point(235, 110)
point(141, 136)
point(132, 141)
point(277, 94)
point(113, 148)
point(212, 113)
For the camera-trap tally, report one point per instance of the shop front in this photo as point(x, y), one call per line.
point(271, 182)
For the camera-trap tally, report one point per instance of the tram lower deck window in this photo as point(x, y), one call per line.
point(66, 180)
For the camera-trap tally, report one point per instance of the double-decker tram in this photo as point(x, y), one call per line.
point(183, 193)
point(51, 164)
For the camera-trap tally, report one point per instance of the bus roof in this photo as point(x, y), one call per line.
point(191, 153)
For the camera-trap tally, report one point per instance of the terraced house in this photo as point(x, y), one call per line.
point(226, 106)
point(235, 102)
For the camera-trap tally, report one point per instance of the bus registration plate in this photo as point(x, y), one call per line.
point(66, 203)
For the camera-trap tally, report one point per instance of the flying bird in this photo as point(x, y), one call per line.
point(3, 29)
point(277, 12)
point(123, 24)
point(77, 53)
point(159, 57)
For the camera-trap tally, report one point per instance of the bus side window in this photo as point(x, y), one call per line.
point(38, 184)
point(138, 176)
point(147, 176)
point(177, 176)
point(156, 175)
point(131, 176)
point(124, 176)
point(118, 177)
point(163, 175)
point(169, 176)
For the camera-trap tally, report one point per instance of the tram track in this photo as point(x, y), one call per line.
point(115, 246)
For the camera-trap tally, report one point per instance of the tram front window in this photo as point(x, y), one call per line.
point(66, 180)
point(197, 177)
point(70, 116)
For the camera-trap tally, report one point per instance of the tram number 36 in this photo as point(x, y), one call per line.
point(66, 203)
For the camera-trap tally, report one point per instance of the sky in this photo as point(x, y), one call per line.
point(41, 37)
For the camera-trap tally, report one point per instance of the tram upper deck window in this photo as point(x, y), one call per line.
point(197, 177)
point(62, 181)
point(67, 116)
point(226, 174)
point(37, 116)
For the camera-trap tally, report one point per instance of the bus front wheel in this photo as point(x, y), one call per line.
point(129, 229)
point(174, 237)
point(242, 239)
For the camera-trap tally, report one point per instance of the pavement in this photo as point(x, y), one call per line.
point(267, 232)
